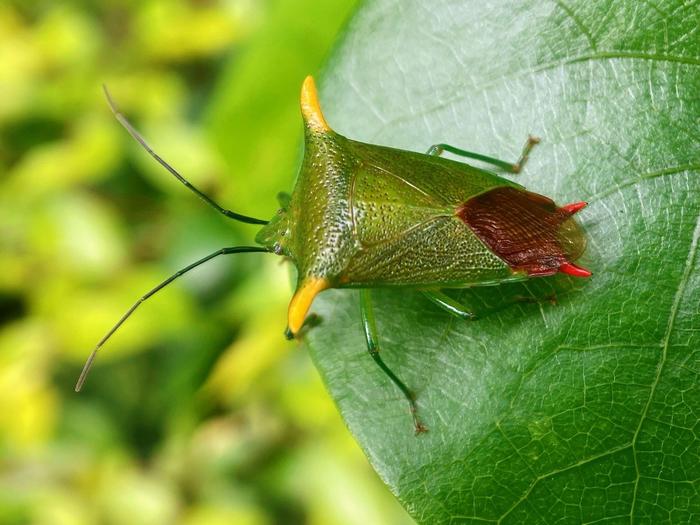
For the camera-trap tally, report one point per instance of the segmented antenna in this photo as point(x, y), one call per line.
point(222, 251)
point(137, 136)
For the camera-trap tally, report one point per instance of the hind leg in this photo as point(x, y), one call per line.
point(448, 304)
point(437, 149)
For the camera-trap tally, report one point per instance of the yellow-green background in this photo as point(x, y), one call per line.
point(198, 412)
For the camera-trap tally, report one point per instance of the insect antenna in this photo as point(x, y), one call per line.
point(222, 251)
point(137, 136)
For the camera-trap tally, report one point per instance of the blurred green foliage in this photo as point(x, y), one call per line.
point(198, 411)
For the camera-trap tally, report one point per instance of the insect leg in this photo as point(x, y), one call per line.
point(222, 251)
point(448, 304)
point(437, 149)
point(370, 328)
point(138, 138)
point(457, 309)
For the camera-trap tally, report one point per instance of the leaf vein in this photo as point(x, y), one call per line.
point(584, 30)
point(483, 86)
point(690, 260)
point(580, 463)
point(674, 170)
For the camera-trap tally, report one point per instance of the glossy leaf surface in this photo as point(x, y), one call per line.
point(580, 411)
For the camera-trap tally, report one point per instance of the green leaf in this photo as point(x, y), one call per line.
point(577, 412)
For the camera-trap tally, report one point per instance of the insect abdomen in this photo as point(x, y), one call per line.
point(527, 230)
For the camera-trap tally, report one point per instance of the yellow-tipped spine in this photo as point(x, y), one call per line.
point(310, 107)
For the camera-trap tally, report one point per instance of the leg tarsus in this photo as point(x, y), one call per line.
point(525, 154)
point(450, 305)
point(370, 328)
point(418, 426)
point(517, 167)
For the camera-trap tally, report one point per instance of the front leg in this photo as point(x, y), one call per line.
point(370, 328)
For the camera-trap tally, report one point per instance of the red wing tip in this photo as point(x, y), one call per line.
point(576, 271)
point(573, 207)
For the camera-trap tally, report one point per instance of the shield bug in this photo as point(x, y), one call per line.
point(366, 216)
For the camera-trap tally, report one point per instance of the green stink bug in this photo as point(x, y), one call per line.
point(366, 216)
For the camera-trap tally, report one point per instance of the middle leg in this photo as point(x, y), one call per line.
point(371, 334)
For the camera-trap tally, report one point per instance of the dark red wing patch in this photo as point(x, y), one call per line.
point(528, 231)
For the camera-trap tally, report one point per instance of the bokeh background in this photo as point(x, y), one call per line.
point(198, 411)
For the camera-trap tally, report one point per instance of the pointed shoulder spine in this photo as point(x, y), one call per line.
point(307, 290)
point(311, 109)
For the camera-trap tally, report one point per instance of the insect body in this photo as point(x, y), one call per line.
point(366, 216)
